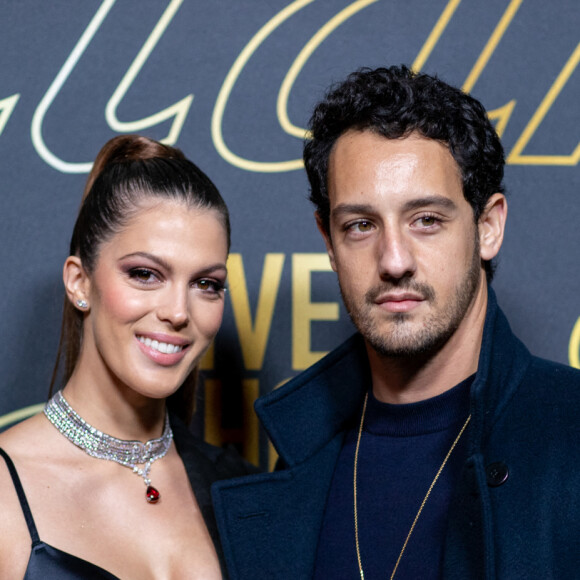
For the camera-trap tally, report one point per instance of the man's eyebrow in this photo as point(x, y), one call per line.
point(438, 200)
point(352, 208)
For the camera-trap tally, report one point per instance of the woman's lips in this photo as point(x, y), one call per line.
point(163, 350)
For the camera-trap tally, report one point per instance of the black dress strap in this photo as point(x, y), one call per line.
point(22, 498)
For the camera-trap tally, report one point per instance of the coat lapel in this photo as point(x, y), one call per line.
point(271, 522)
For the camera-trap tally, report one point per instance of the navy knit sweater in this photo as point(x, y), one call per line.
point(401, 449)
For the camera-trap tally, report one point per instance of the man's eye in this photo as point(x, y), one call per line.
point(427, 221)
point(361, 227)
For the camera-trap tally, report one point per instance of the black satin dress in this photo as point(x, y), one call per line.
point(46, 561)
point(204, 465)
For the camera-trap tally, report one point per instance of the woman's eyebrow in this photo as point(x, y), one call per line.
point(218, 266)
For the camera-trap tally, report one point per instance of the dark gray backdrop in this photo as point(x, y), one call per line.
point(242, 77)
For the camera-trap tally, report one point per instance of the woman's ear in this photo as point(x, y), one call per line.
point(76, 283)
point(491, 226)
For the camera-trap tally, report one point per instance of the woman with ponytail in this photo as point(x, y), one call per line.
point(108, 482)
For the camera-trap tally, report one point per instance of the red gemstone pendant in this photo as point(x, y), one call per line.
point(152, 494)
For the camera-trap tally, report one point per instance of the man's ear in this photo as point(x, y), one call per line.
point(491, 226)
point(76, 283)
point(326, 235)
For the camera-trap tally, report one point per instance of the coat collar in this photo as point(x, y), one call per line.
point(303, 415)
point(503, 361)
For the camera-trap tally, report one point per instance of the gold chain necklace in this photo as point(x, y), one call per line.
point(362, 575)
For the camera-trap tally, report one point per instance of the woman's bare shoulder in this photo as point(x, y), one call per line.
point(24, 438)
point(19, 443)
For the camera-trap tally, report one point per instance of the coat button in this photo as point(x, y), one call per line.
point(497, 473)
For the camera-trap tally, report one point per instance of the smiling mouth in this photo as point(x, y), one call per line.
point(162, 347)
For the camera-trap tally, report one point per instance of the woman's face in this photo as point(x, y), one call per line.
point(156, 298)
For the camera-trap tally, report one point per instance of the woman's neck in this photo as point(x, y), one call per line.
point(116, 409)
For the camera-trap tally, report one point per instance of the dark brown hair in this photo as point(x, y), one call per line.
point(127, 170)
point(395, 102)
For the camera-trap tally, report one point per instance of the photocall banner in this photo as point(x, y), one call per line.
point(232, 83)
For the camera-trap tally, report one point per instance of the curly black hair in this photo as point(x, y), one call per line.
point(395, 102)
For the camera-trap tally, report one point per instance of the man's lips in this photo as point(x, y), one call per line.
point(399, 301)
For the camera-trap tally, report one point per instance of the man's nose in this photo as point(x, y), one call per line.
point(396, 255)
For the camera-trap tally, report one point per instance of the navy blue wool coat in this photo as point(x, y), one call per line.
point(524, 426)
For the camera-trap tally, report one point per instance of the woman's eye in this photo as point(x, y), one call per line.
point(142, 275)
point(210, 286)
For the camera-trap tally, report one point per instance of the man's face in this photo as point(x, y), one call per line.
point(402, 240)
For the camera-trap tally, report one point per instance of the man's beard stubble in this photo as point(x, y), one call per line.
point(437, 328)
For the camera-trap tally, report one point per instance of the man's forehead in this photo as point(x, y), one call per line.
point(412, 142)
point(413, 171)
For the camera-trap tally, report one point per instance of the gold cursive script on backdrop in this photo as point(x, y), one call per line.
point(178, 112)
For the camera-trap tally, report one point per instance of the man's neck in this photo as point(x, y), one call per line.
point(401, 380)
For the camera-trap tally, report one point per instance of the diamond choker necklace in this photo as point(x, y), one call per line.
point(102, 446)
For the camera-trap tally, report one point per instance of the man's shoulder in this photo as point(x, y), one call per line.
point(556, 385)
point(553, 373)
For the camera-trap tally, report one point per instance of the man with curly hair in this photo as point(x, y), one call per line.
point(431, 444)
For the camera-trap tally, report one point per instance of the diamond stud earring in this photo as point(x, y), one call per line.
point(82, 303)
